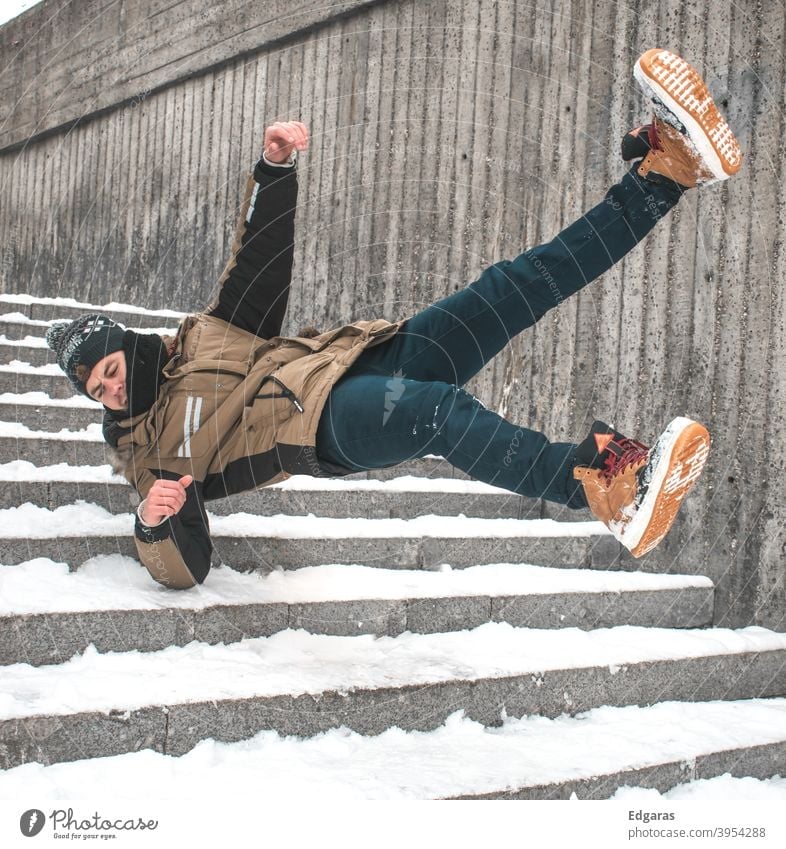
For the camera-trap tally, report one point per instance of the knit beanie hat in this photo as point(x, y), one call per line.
point(80, 344)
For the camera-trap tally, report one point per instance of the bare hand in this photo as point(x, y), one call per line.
point(165, 499)
point(282, 138)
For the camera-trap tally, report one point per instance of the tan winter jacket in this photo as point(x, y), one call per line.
point(238, 410)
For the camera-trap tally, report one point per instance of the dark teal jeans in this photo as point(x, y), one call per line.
point(403, 399)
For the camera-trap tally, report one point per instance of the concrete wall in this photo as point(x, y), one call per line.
point(440, 142)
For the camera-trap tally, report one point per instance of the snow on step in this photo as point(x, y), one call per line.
point(18, 367)
point(88, 520)
point(114, 582)
point(723, 788)
point(43, 325)
point(92, 433)
point(27, 342)
point(21, 318)
point(41, 399)
point(404, 483)
point(112, 306)
point(462, 757)
point(23, 470)
point(294, 662)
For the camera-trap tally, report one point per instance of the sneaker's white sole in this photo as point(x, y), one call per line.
point(683, 103)
point(674, 465)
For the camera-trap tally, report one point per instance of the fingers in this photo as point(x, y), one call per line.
point(166, 498)
point(286, 134)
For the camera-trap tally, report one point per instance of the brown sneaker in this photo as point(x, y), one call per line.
point(694, 142)
point(637, 491)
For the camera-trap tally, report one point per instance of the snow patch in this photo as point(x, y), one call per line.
point(115, 582)
point(41, 399)
point(83, 519)
point(460, 757)
point(92, 433)
point(295, 662)
point(70, 302)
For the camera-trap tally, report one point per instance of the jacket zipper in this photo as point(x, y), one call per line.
point(286, 392)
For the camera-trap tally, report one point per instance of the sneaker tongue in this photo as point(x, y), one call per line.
point(594, 449)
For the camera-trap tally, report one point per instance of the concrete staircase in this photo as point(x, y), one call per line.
point(368, 621)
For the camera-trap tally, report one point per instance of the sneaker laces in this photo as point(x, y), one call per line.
point(653, 135)
point(622, 453)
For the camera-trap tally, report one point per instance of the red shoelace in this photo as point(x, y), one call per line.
point(653, 135)
point(630, 452)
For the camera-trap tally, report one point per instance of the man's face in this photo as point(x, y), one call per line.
point(107, 381)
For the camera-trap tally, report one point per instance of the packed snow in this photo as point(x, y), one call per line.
point(404, 483)
point(11, 8)
point(112, 306)
point(18, 367)
point(115, 582)
point(92, 433)
point(83, 519)
point(722, 788)
point(294, 662)
point(24, 470)
point(27, 342)
point(460, 757)
point(20, 470)
point(21, 318)
point(41, 399)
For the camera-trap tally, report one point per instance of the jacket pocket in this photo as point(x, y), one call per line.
point(272, 405)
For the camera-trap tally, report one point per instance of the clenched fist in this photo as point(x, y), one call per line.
point(164, 500)
point(282, 138)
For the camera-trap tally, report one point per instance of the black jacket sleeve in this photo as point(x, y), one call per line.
point(177, 552)
point(254, 287)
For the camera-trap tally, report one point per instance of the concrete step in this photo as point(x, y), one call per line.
point(15, 327)
point(54, 309)
point(250, 554)
point(764, 761)
point(38, 355)
point(50, 416)
point(48, 379)
point(87, 448)
point(77, 448)
point(47, 614)
point(98, 705)
point(41, 412)
point(406, 497)
point(74, 533)
point(116, 496)
point(592, 755)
